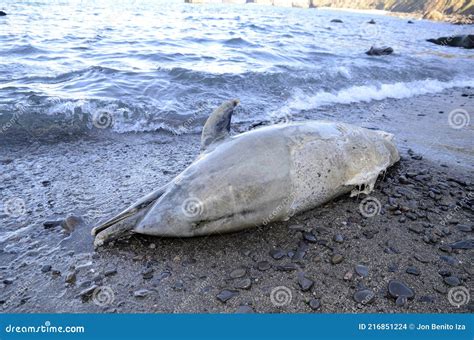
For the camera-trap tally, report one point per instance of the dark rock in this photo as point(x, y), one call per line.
point(410, 22)
point(464, 244)
point(397, 288)
point(87, 293)
point(378, 51)
point(245, 283)
point(300, 251)
point(421, 259)
point(427, 299)
point(465, 41)
point(70, 277)
point(371, 21)
point(2, 13)
point(444, 272)
point(244, 310)
point(52, 224)
point(413, 271)
point(110, 271)
point(364, 296)
point(338, 238)
point(309, 236)
point(147, 273)
point(464, 227)
point(304, 282)
point(362, 270)
point(277, 254)
point(450, 260)
point(46, 268)
point(226, 295)
point(8, 281)
point(452, 281)
point(263, 265)
point(336, 259)
point(237, 273)
point(314, 304)
point(337, 21)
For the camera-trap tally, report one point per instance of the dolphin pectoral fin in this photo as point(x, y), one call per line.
point(217, 126)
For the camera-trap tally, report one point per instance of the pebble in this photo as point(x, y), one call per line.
point(444, 272)
point(338, 238)
point(304, 282)
point(87, 292)
point(263, 265)
point(449, 260)
point(452, 281)
point(337, 259)
point(8, 281)
point(277, 254)
point(413, 271)
point(141, 293)
point(314, 304)
point(226, 295)
point(421, 258)
point(244, 310)
point(46, 268)
point(243, 283)
point(110, 271)
point(348, 276)
point(71, 222)
point(309, 236)
point(397, 288)
point(364, 296)
point(237, 273)
point(362, 270)
point(464, 244)
point(70, 277)
point(147, 273)
point(51, 224)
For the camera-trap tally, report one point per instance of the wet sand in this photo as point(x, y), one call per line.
point(425, 208)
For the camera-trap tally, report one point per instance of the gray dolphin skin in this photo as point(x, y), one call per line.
point(257, 177)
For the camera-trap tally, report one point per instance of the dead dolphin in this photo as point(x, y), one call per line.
point(256, 177)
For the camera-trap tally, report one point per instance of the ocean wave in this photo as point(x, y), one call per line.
point(301, 100)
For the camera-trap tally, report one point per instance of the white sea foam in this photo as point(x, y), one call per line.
point(356, 94)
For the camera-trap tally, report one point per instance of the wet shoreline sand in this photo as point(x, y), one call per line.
point(425, 208)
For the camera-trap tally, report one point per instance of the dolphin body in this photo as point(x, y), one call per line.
point(251, 179)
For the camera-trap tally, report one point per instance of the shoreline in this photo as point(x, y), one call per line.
point(425, 208)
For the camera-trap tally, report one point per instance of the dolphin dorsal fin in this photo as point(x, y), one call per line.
point(217, 126)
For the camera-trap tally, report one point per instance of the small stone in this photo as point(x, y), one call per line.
point(244, 310)
point(309, 236)
point(46, 268)
point(304, 282)
point(397, 288)
point(336, 259)
point(226, 295)
point(362, 270)
point(427, 299)
point(314, 304)
point(87, 293)
point(338, 238)
point(449, 260)
point(364, 296)
point(464, 228)
point(277, 254)
point(51, 224)
point(413, 271)
point(464, 244)
point(152, 246)
point(71, 222)
point(70, 277)
point(452, 281)
point(237, 273)
point(421, 259)
point(348, 276)
point(110, 271)
point(444, 272)
point(445, 248)
point(141, 293)
point(243, 283)
point(8, 281)
point(147, 274)
point(401, 301)
point(263, 265)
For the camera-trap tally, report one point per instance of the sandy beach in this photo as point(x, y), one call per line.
point(420, 233)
